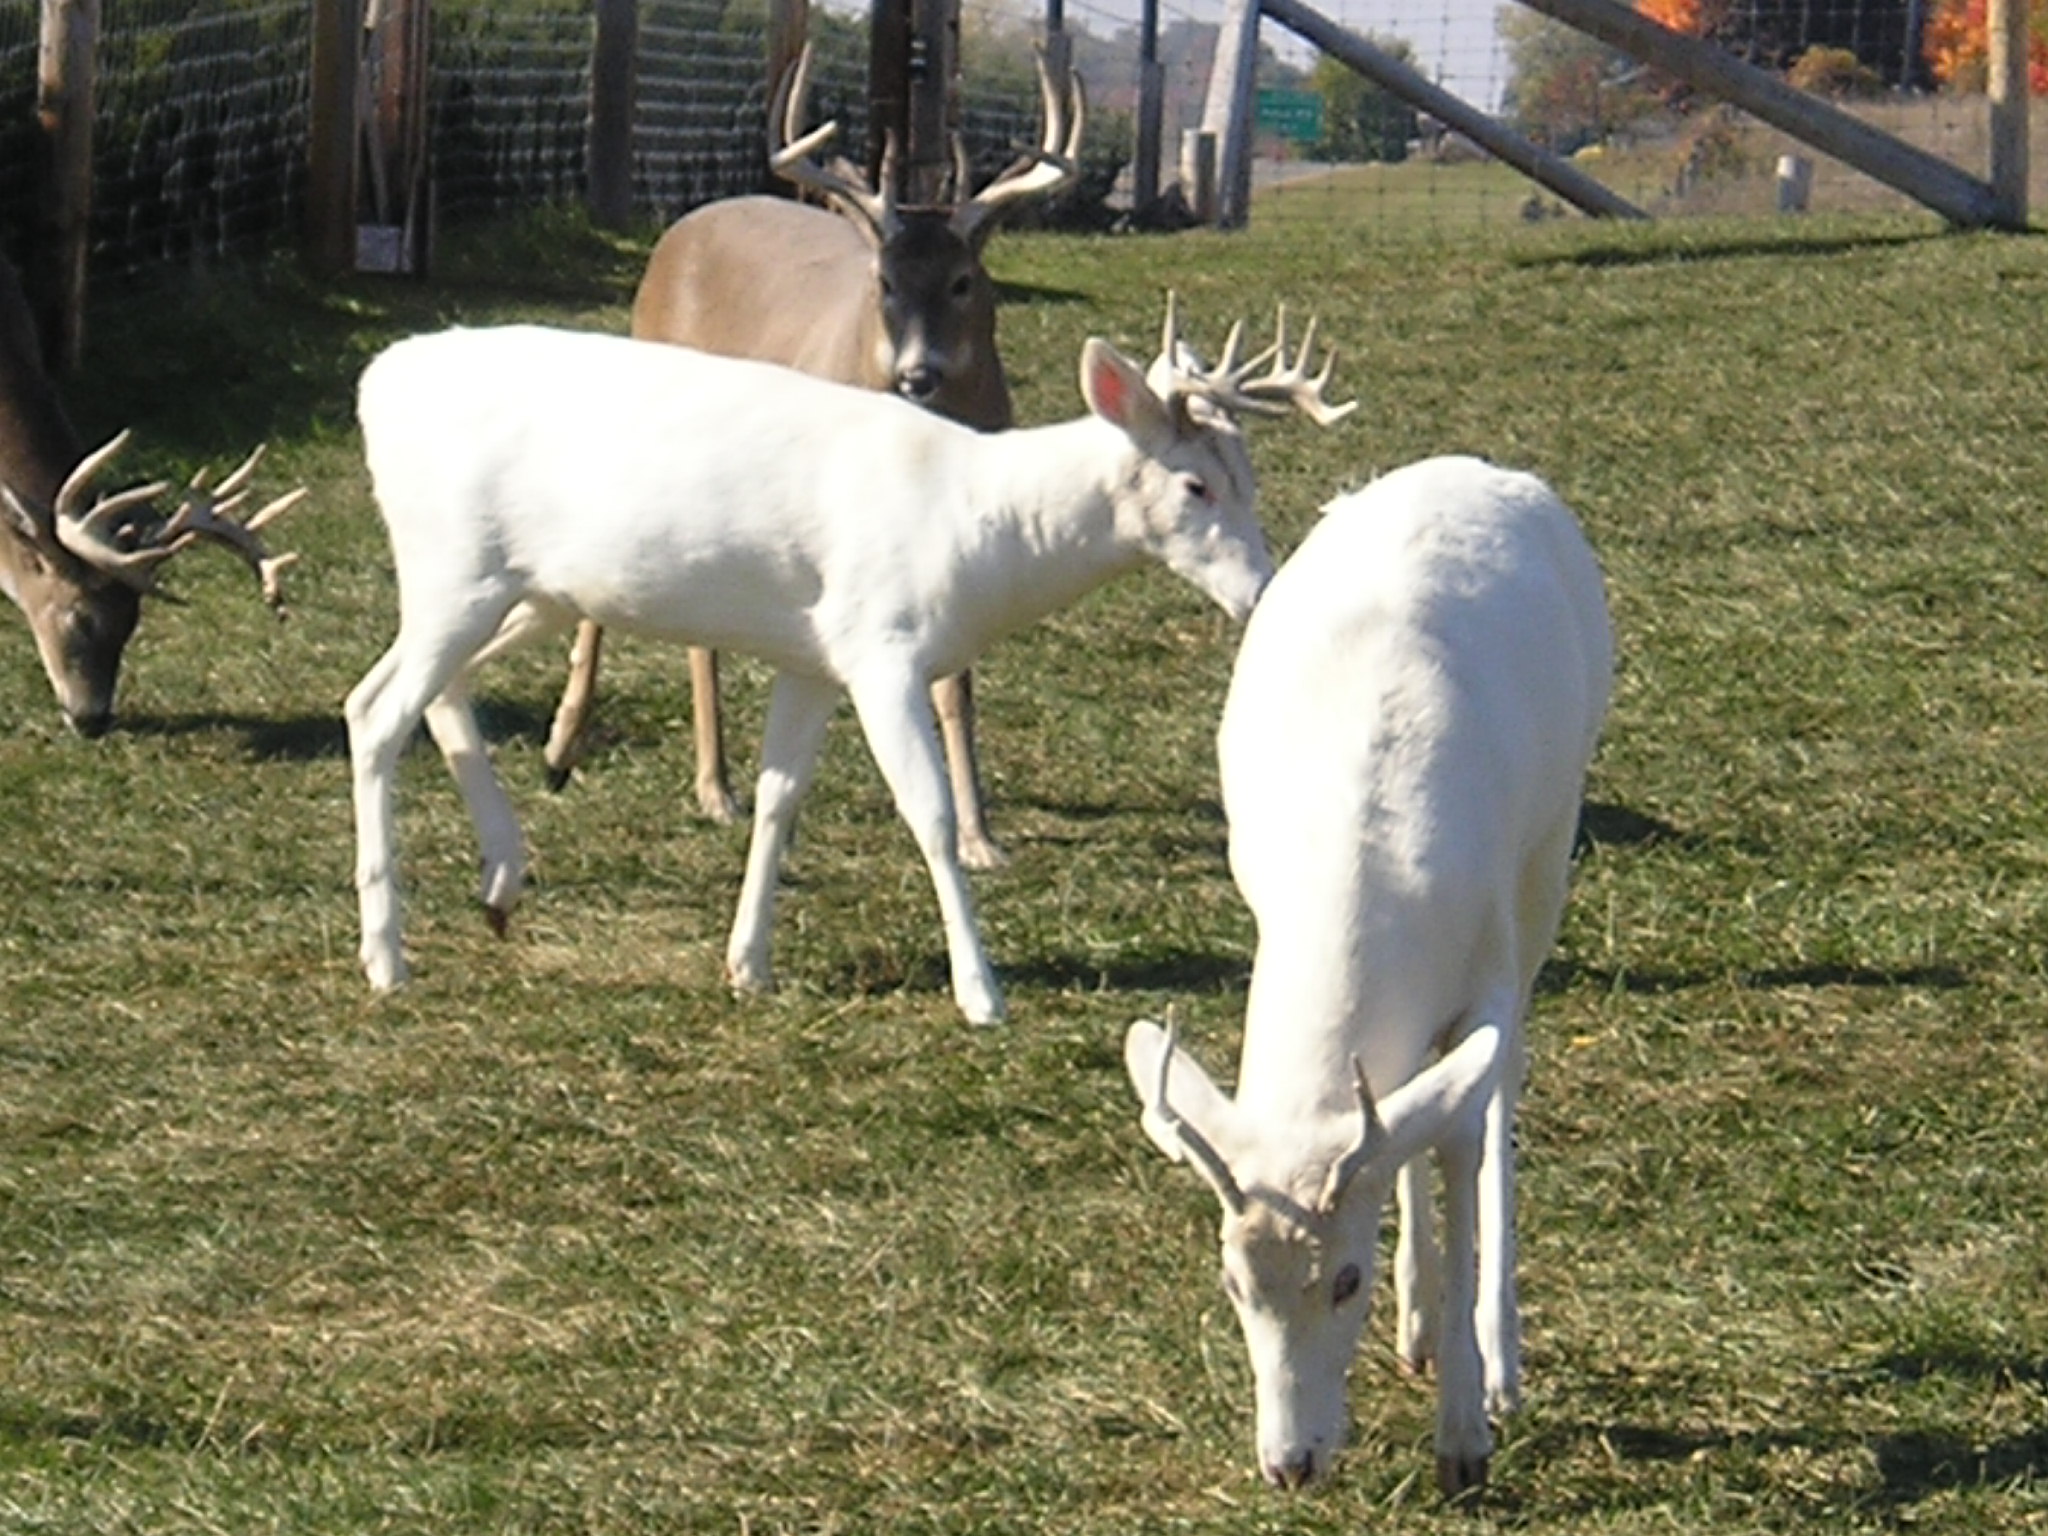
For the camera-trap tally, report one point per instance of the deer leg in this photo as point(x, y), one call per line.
point(1418, 1270)
point(382, 710)
point(451, 719)
point(1464, 1440)
point(799, 709)
point(896, 716)
point(714, 785)
point(566, 737)
point(953, 698)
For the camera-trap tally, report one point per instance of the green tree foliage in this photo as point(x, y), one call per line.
point(1565, 89)
point(1362, 121)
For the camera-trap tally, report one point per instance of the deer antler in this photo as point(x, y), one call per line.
point(206, 514)
point(1054, 164)
point(1370, 1134)
point(90, 536)
point(1282, 387)
point(791, 152)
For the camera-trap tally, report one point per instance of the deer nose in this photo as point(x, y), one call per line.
point(1296, 1471)
point(92, 725)
point(919, 383)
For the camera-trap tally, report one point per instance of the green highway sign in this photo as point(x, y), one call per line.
point(1296, 115)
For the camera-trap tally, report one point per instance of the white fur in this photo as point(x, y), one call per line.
point(530, 477)
point(1403, 755)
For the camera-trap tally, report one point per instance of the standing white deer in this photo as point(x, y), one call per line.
point(1403, 752)
point(531, 477)
point(870, 292)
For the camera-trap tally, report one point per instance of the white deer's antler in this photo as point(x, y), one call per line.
point(1229, 384)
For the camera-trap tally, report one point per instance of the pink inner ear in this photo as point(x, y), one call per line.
point(1112, 393)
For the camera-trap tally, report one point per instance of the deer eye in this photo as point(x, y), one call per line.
point(963, 285)
point(1198, 488)
point(1345, 1286)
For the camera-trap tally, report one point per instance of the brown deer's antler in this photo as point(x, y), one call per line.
point(1053, 165)
point(792, 152)
point(206, 514)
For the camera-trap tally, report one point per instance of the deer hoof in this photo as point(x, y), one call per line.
point(500, 919)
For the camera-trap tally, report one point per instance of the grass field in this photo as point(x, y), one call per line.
point(562, 1238)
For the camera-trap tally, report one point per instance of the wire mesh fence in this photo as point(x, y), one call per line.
point(202, 122)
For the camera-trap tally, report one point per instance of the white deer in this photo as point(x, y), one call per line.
point(1403, 752)
point(869, 291)
point(531, 477)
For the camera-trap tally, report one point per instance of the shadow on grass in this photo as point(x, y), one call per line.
point(1913, 1465)
point(295, 739)
point(1663, 252)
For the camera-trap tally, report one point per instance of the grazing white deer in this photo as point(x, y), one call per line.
point(870, 292)
point(1403, 751)
point(79, 567)
point(531, 477)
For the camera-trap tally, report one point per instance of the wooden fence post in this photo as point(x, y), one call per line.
point(610, 163)
point(2006, 85)
point(331, 134)
point(1151, 114)
point(64, 110)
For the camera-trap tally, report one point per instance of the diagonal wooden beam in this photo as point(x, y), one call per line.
point(1383, 69)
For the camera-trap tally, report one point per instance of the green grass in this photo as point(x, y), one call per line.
point(561, 1238)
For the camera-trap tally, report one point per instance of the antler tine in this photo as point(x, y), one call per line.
point(1288, 384)
point(204, 514)
point(1053, 165)
point(792, 156)
point(82, 474)
point(1370, 1133)
point(1204, 1156)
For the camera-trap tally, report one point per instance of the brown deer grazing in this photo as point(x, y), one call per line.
point(79, 572)
point(869, 292)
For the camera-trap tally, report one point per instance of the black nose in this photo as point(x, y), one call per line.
point(1297, 1471)
point(92, 726)
point(919, 383)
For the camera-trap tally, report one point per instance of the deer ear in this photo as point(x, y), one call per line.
point(14, 514)
point(1190, 1091)
point(1116, 391)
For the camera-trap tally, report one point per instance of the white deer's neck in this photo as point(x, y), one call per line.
point(1041, 526)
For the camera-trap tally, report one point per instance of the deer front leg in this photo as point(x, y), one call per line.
point(714, 785)
point(895, 712)
point(799, 708)
point(1418, 1270)
point(953, 698)
point(1464, 1440)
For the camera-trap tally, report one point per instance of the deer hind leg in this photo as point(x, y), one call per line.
point(714, 785)
point(896, 716)
point(799, 709)
point(382, 710)
point(451, 718)
point(567, 736)
point(953, 698)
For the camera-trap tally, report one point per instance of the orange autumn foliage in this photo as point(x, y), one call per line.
point(1954, 44)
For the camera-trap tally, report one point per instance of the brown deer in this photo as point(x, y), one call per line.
point(78, 572)
point(869, 292)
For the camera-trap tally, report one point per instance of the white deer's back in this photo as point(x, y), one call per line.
point(1408, 726)
point(633, 482)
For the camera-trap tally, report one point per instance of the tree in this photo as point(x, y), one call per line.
point(1362, 121)
point(1565, 89)
point(1956, 44)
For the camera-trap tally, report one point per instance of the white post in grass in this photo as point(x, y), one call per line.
point(2006, 85)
